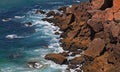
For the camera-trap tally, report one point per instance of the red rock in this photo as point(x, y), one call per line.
point(115, 29)
point(109, 14)
point(97, 4)
point(95, 48)
point(57, 58)
point(95, 25)
point(99, 15)
point(99, 35)
point(117, 16)
point(102, 4)
point(116, 5)
point(99, 64)
point(77, 60)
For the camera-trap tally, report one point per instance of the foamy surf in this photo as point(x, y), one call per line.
point(19, 17)
point(6, 19)
point(13, 36)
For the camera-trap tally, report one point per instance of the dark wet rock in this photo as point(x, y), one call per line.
point(57, 33)
point(28, 24)
point(40, 12)
point(50, 13)
point(62, 9)
point(57, 58)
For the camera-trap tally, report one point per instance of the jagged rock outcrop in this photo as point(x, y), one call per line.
point(92, 27)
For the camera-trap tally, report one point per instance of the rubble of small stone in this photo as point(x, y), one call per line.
point(91, 30)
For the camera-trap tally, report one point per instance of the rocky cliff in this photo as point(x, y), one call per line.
point(91, 30)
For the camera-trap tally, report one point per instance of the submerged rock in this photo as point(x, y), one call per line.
point(34, 65)
point(28, 24)
point(15, 55)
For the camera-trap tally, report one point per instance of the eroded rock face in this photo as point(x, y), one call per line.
point(99, 64)
point(92, 27)
point(57, 58)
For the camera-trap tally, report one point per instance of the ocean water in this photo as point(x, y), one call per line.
point(20, 44)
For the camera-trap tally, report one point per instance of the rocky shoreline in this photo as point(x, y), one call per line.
point(91, 35)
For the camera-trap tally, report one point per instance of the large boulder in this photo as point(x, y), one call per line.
point(95, 48)
point(57, 58)
point(95, 25)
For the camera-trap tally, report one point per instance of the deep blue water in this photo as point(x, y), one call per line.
point(31, 43)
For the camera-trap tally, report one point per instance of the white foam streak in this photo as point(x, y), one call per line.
point(18, 17)
point(13, 36)
point(6, 19)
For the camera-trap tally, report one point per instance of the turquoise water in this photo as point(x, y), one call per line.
point(30, 43)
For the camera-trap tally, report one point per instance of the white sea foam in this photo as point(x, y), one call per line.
point(48, 29)
point(6, 19)
point(56, 66)
point(78, 1)
point(18, 17)
point(13, 36)
point(72, 57)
